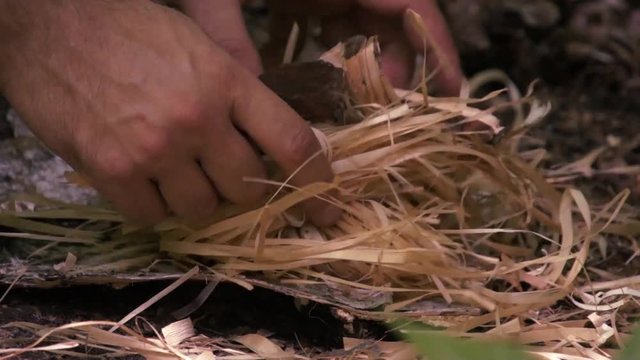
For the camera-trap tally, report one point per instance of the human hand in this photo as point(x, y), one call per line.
point(223, 22)
point(341, 19)
point(155, 116)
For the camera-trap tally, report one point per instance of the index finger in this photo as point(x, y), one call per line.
point(282, 134)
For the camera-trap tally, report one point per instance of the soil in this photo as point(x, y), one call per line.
point(595, 103)
point(231, 310)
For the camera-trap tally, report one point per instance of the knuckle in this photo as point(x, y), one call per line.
point(301, 145)
point(153, 145)
point(186, 113)
point(188, 110)
point(223, 70)
point(116, 166)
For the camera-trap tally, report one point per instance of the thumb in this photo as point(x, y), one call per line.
point(222, 21)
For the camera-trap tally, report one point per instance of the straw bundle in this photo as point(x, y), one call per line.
point(431, 210)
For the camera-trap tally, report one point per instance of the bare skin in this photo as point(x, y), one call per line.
point(154, 114)
point(161, 115)
point(340, 19)
point(222, 21)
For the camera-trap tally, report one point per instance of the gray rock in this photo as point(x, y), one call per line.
point(27, 166)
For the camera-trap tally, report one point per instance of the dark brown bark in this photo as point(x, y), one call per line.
point(316, 90)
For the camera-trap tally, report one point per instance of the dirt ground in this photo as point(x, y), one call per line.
point(587, 60)
point(230, 311)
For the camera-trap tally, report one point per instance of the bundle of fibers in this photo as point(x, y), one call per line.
point(432, 209)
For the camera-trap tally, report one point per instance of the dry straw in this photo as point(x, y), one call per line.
point(432, 210)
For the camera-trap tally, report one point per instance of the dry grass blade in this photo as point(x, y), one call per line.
point(157, 297)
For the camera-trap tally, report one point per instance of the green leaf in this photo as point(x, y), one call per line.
point(436, 345)
point(632, 348)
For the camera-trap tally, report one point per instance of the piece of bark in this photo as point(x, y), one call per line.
point(316, 90)
point(331, 88)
